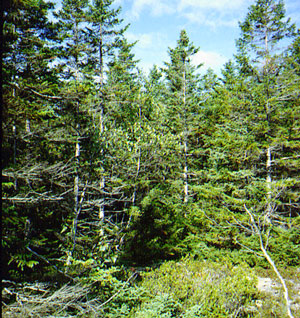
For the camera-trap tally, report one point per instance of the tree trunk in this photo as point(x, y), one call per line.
point(282, 281)
point(76, 179)
point(14, 129)
point(185, 174)
point(101, 120)
point(27, 126)
point(269, 185)
point(269, 152)
point(185, 143)
point(271, 262)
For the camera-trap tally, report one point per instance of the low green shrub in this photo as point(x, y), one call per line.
point(162, 305)
point(201, 288)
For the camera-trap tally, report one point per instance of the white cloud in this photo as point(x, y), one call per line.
point(209, 59)
point(156, 7)
point(213, 13)
point(145, 40)
point(219, 5)
point(211, 19)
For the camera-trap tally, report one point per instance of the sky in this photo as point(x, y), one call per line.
point(211, 25)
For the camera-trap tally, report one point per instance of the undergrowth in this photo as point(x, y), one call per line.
point(185, 289)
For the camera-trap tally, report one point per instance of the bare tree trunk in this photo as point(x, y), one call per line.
point(133, 198)
point(269, 185)
point(76, 201)
point(185, 173)
point(101, 208)
point(185, 143)
point(285, 289)
point(77, 158)
point(271, 262)
point(138, 167)
point(76, 179)
point(14, 129)
point(269, 152)
point(27, 126)
point(101, 119)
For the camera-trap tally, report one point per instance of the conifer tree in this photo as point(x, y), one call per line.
point(122, 86)
point(27, 76)
point(73, 60)
point(30, 86)
point(102, 35)
point(270, 99)
point(182, 100)
point(262, 31)
point(122, 116)
point(84, 30)
point(238, 131)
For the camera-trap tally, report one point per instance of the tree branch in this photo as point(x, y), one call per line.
point(271, 262)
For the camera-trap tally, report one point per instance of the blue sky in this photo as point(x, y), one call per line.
point(211, 25)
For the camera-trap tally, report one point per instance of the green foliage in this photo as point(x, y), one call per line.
point(113, 287)
point(167, 163)
point(200, 288)
point(265, 17)
point(157, 231)
point(162, 305)
point(22, 261)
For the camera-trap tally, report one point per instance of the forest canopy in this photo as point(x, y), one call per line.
point(107, 168)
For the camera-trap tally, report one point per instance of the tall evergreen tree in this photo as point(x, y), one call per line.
point(102, 35)
point(182, 100)
point(262, 31)
point(30, 86)
point(73, 61)
point(84, 30)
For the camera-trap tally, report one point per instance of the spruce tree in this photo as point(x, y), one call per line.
point(102, 36)
point(182, 101)
point(84, 29)
point(30, 86)
point(73, 60)
point(261, 34)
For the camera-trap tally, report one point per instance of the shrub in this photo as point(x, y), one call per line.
point(203, 289)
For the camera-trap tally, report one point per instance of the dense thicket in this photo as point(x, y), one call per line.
point(105, 166)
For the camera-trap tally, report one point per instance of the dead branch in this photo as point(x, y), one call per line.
point(27, 88)
point(49, 263)
point(33, 301)
point(118, 292)
point(271, 262)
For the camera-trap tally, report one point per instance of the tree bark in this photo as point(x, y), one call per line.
point(185, 173)
point(14, 129)
point(185, 142)
point(76, 179)
point(269, 152)
point(27, 126)
point(269, 185)
point(101, 119)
